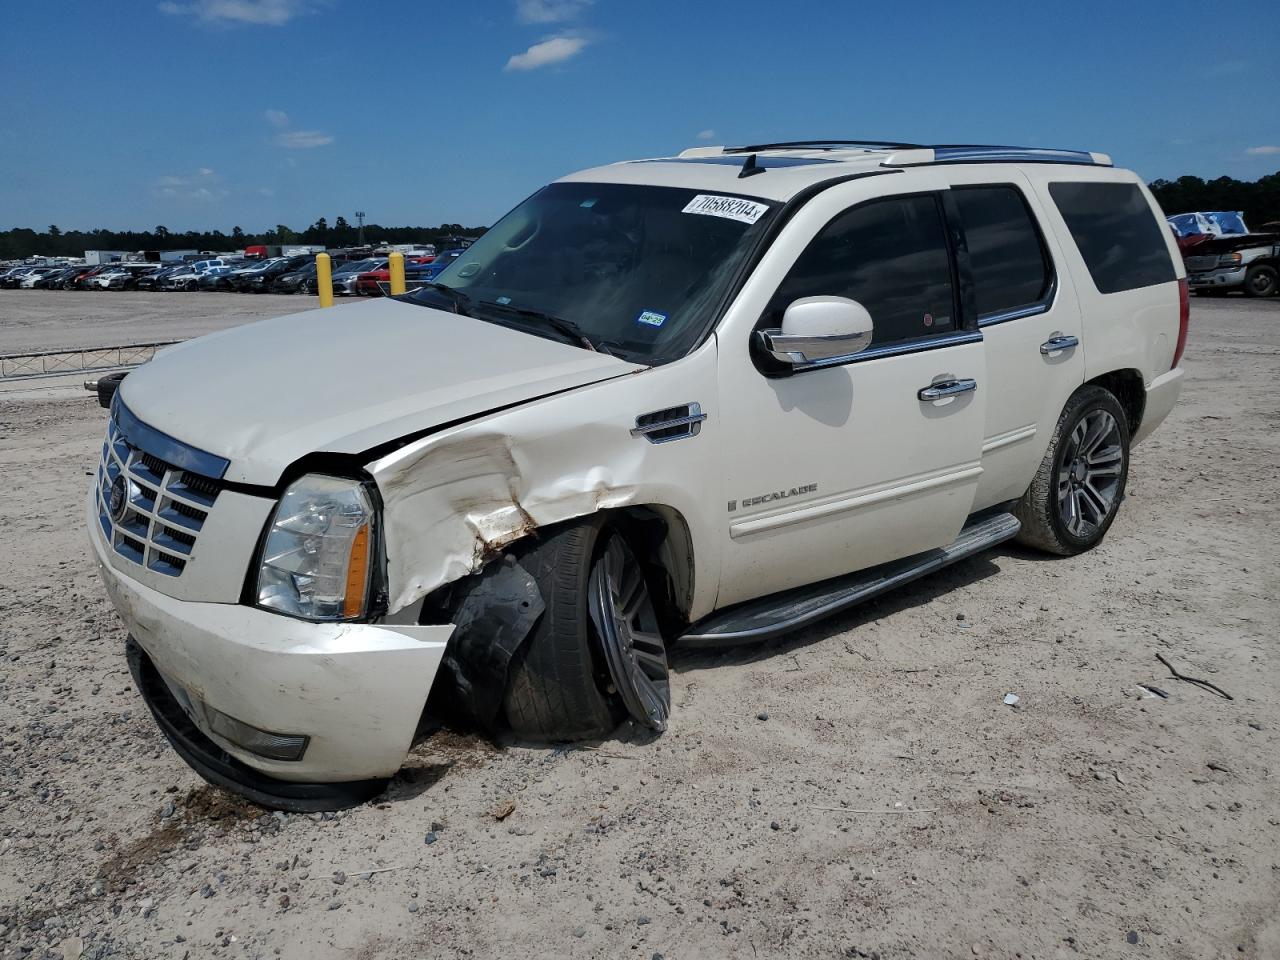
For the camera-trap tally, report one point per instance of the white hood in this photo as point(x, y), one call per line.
point(345, 379)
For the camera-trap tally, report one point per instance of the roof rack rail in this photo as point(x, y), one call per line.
point(821, 145)
point(989, 153)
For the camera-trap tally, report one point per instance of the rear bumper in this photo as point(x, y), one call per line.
point(355, 691)
point(1162, 394)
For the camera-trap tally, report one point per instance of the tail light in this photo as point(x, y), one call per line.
point(1184, 316)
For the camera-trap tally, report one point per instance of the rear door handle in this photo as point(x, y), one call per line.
point(1060, 342)
point(947, 388)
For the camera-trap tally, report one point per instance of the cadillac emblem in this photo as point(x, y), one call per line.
point(118, 499)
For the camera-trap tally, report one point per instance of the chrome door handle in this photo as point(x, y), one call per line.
point(947, 388)
point(1054, 344)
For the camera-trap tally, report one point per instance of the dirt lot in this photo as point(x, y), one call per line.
point(37, 320)
point(890, 805)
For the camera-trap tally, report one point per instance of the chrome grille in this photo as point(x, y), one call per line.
point(1200, 264)
point(163, 510)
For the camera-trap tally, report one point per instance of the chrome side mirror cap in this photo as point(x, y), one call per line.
point(819, 328)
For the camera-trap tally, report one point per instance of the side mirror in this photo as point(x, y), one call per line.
point(819, 328)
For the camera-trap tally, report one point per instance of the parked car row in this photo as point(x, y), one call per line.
point(295, 274)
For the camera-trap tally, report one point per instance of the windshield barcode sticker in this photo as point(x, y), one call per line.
point(731, 208)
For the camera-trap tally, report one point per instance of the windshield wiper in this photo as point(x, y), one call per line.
point(460, 299)
point(566, 328)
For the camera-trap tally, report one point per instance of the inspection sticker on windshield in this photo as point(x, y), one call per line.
point(731, 208)
point(652, 318)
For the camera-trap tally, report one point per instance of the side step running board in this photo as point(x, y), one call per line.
point(763, 619)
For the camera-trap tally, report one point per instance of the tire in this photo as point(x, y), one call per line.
point(1062, 511)
point(561, 683)
point(1261, 281)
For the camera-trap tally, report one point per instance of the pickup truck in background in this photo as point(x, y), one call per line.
point(1248, 263)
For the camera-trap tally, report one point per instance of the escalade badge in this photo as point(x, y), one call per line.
point(774, 495)
point(116, 502)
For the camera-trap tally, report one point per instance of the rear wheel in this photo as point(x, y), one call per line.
point(1261, 281)
point(1076, 493)
point(596, 654)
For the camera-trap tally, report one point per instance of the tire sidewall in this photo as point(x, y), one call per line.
point(1251, 277)
point(1083, 404)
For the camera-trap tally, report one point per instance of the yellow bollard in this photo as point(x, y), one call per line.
point(396, 263)
point(324, 279)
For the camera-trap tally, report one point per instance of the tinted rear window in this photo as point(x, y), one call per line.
point(1006, 255)
point(1121, 241)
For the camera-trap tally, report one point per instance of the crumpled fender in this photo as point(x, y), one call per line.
point(453, 500)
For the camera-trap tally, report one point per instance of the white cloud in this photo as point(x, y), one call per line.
point(552, 50)
point(303, 139)
point(706, 134)
point(277, 118)
point(1267, 151)
point(273, 13)
point(203, 186)
point(549, 11)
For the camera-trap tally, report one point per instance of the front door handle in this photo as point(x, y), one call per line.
point(1060, 342)
point(947, 388)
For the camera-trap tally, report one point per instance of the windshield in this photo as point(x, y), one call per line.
point(639, 270)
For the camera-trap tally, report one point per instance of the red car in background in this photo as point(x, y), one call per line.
point(367, 283)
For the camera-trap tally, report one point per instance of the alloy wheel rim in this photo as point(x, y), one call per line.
point(623, 615)
point(1089, 473)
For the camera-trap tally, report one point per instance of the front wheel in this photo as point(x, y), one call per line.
point(1261, 281)
point(1073, 499)
point(596, 654)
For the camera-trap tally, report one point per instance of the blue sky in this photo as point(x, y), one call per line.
point(214, 113)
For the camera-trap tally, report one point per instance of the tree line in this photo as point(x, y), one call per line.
point(1258, 199)
point(21, 242)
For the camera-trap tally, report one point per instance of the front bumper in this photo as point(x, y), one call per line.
point(1162, 394)
point(355, 690)
point(1224, 278)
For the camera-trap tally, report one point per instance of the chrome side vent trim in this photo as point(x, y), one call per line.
point(673, 423)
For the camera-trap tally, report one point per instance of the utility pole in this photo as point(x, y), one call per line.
point(360, 220)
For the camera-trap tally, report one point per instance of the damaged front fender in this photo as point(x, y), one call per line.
point(455, 499)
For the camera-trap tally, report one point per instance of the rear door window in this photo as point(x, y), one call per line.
point(891, 256)
point(1007, 258)
point(1122, 243)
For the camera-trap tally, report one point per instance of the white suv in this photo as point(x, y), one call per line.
point(690, 401)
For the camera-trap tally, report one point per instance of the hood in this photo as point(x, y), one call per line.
point(345, 379)
point(1219, 245)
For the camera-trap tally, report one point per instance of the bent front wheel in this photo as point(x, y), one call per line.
point(596, 654)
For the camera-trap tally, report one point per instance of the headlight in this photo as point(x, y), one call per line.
point(1230, 260)
point(317, 561)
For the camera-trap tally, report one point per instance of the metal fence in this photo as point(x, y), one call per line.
point(16, 366)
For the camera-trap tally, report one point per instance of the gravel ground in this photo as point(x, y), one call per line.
point(858, 791)
point(37, 320)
